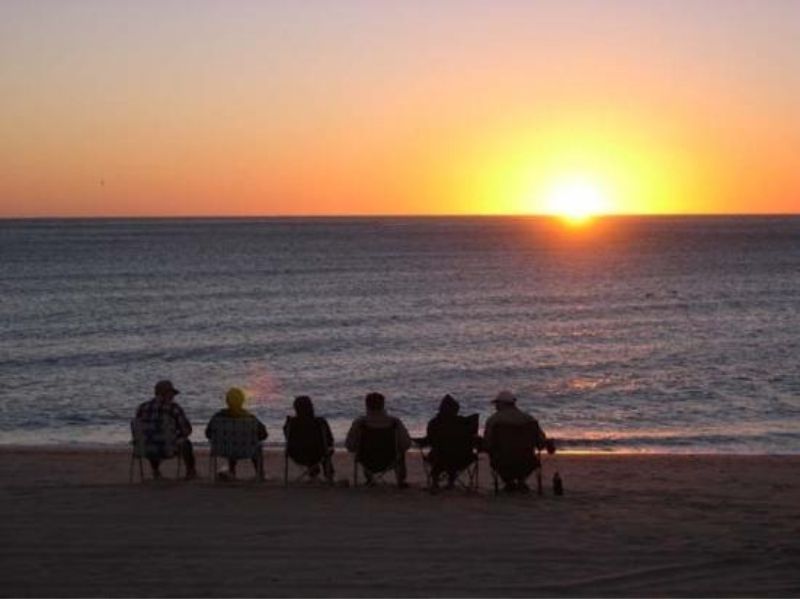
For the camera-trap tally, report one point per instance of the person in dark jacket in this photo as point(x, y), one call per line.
point(376, 417)
point(235, 399)
point(452, 440)
point(309, 437)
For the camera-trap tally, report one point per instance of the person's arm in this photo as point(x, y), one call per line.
point(262, 430)
point(181, 421)
point(210, 427)
point(353, 436)
point(403, 438)
point(487, 436)
point(543, 441)
point(327, 434)
point(538, 436)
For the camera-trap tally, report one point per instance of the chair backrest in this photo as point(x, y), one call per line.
point(456, 431)
point(235, 438)
point(513, 442)
point(453, 440)
point(154, 438)
point(377, 447)
point(305, 440)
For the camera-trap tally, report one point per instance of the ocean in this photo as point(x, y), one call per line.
point(660, 334)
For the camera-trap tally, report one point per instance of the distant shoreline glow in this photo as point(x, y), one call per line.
point(367, 216)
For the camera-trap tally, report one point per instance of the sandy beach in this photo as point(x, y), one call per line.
point(628, 525)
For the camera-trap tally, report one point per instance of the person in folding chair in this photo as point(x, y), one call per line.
point(309, 442)
point(453, 441)
point(236, 434)
point(513, 440)
point(161, 431)
point(379, 443)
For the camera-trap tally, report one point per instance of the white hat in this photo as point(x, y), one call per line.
point(505, 397)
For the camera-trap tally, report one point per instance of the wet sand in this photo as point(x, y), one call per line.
point(628, 525)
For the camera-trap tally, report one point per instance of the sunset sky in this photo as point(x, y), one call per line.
point(369, 107)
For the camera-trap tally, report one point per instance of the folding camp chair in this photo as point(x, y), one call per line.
point(514, 454)
point(378, 453)
point(236, 439)
point(452, 450)
point(306, 446)
point(154, 439)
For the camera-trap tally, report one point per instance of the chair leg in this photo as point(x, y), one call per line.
point(471, 478)
point(141, 470)
point(329, 475)
point(539, 481)
point(355, 472)
point(130, 470)
point(426, 469)
point(261, 465)
point(285, 469)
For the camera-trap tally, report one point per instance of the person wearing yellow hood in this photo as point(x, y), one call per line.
point(235, 399)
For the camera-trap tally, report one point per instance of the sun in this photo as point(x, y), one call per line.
point(575, 199)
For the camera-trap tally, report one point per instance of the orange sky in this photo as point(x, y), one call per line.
point(249, 108)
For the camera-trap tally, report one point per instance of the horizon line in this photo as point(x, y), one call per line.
point(393, 215)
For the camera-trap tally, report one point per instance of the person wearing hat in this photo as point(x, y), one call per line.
point(164, 406)
point(235, 399)
point(508, 414)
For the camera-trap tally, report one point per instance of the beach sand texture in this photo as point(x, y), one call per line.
point(629, 525)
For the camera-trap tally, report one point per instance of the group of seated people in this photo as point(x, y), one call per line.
point(452, 440)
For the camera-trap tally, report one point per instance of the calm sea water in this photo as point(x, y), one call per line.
point(644, 334)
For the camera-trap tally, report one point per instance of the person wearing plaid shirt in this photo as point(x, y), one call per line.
point(156, 410)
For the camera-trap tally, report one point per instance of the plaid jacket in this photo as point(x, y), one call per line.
point(156, 409)
point(214, 423)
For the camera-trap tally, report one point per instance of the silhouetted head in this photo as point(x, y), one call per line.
point(165, 390)
point(504, 400)
point(235, 398)
point(374, 402)
point(448, 406)
point(303, 406)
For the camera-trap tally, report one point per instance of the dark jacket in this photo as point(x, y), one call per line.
point(320, 423)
